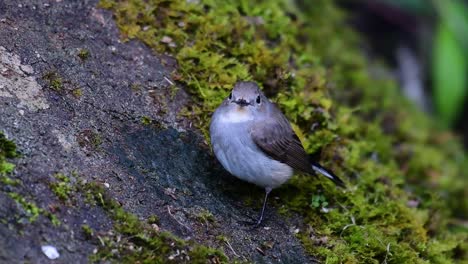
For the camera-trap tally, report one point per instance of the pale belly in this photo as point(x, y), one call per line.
point(240, 156)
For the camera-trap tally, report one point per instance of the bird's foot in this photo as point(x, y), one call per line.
point(254, 224)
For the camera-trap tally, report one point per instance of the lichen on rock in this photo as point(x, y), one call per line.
point(17, 80)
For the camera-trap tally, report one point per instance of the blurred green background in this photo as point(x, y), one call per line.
point(427, 44)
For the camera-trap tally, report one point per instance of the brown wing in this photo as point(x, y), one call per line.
point(277, 139)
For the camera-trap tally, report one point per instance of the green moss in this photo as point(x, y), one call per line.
point(206, 216)
point(84, 54)
point(7, 181)
point(7, 148)
point(89, 139)
point(54, 80)
point(96, 140)
point(87, 231)
point(30, 208)
point(146, 120)
point(133, 241)
point(61, 186)
point(153, 220)
point(77, 92)
point(406, 178)
point(222, 238)
point(202, 254)
point(7, 151)
point(53, 219)
point(136, 87)
point(174, 90)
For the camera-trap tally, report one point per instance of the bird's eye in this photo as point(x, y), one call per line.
point(258, 99)
point(230, 96)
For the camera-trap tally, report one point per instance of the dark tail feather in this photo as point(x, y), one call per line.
point(330, 175)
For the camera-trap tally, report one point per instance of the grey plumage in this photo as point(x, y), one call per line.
point(255, 142)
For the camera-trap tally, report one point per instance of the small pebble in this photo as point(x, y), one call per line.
point(155, 227)
point(27, 69)
point(166, 39)
point(413, 203)
point(50, 251)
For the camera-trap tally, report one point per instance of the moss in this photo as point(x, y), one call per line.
point(84, 54)
point(61, 186)
point(87, 231)
point(89, 139)
point(205, 216)
point(53, 219)
point(7, 181)
point(173, 91)
point(8, 150)
point(136, 87)
point(30, 208)
point(202, 254)
point(54, 80)
point(222, 238)
point(406, 178)
point(146, 120)
point(77, 92)
point(133, 241)
point(62, 86)
point(153, 219)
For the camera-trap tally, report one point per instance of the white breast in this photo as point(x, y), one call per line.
point(235, 149)
point(236, 116)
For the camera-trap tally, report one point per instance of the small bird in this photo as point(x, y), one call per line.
point(255, 142)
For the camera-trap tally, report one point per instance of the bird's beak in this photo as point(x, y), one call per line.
point(242, 102)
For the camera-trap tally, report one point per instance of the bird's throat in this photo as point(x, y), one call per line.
point(237, 115)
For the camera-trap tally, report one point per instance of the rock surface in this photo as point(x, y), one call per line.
point(72, 98)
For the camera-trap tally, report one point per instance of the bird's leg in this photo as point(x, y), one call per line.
point(259, 221)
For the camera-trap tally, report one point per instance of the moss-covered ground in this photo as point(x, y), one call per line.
point(406, 178)
point(8, 152)
point(129, 241)
point(135, 241)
